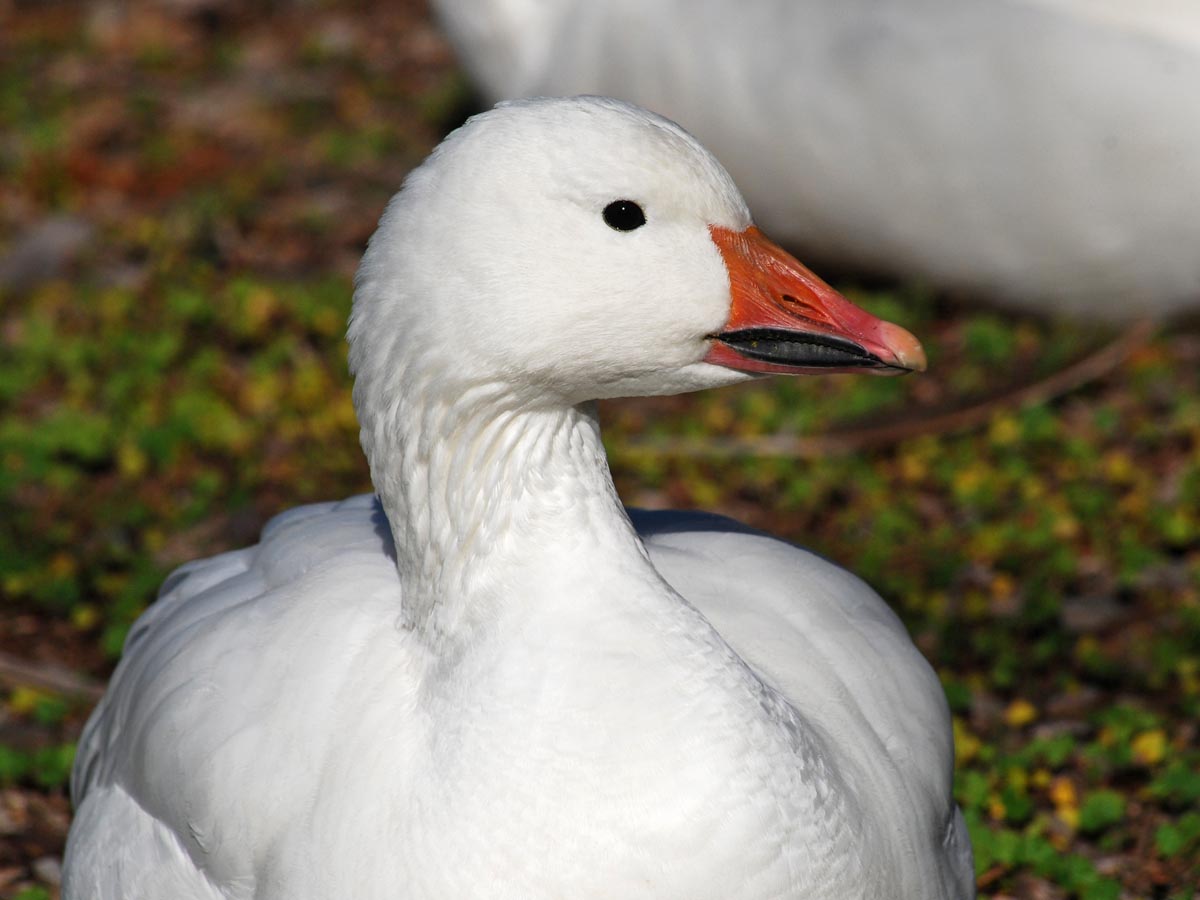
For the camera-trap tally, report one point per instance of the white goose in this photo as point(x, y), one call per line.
point(488, 683)
point(1045, 152)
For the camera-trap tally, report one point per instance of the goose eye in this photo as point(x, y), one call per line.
point(624, 215)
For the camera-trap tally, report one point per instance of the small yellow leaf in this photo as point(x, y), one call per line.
point(1019, 713)
point(1065, 526)
point(62, 565)
point(1062, 794)
point(85, 616)
point(967, 480)
point(153, 539)
point(131, 460)
point(966, 745)
point(260, 306)
point(996, 808)
point(1069, 816)
point(913, 467)
point(24, 700)
point(1118, 466)
point(719, 416)
point(1003, 586)
point(1004, 430)
point(1066, 801)
point(1149, 747)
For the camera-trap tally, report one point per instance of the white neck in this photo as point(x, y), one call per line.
point(485, 495)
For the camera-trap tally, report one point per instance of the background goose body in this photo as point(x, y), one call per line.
point(1037, 151)
point(489, 682)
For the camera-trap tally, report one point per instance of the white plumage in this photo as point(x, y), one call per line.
point(1042, 152)
point(488, 681)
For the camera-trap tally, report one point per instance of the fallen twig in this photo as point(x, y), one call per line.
point(18, 672)
point(1094, 365)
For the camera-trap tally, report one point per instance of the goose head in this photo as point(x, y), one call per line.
point(576, 249)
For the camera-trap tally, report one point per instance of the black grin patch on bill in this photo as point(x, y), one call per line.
point(801, 349)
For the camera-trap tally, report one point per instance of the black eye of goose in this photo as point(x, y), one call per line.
point(624, 215)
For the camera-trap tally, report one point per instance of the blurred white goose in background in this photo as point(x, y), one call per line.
point(1045, 153)
point(489, 681)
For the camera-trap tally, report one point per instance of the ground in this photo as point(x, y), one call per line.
point(185, 189)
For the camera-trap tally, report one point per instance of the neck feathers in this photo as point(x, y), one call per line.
point(485, 497)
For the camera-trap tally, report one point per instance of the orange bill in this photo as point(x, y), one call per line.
point(786, 320)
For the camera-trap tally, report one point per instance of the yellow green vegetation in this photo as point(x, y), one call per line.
point(179, 377)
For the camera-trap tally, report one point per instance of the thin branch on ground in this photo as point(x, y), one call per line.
point(1092, 367)
point(18, 672)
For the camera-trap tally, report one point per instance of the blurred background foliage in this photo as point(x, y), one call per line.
point(185, 189)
